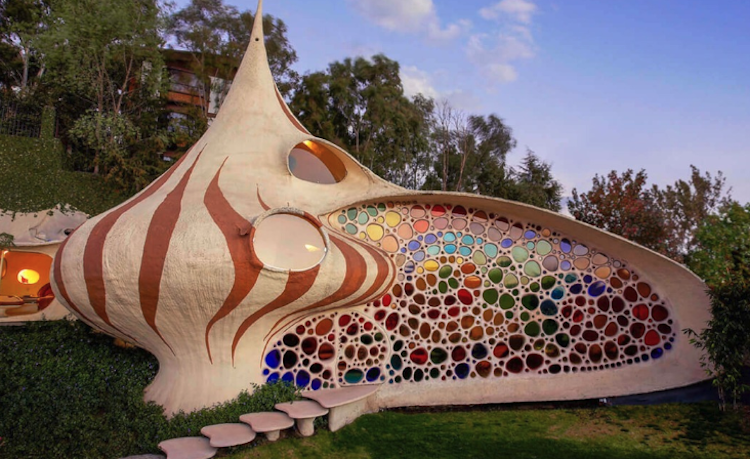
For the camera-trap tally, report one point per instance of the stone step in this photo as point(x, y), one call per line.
point(188, 448)
point(345, 403)
point(224, 435)
point(305, 412)
point(269, 423)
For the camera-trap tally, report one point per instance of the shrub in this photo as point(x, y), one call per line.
point(68, 392)
point(726, 339)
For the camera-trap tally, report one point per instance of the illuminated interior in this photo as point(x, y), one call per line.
point(289, 241)
point(28, 277)
point(314, 162)
point(24, 273)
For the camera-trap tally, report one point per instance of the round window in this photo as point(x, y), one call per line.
point(288, 241)
point(28, 277)
point(315, 162)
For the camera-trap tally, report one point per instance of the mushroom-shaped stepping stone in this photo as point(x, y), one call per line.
point(224, 435)
point(188, 448)
point(346, 403)
point(268, 423)
point(305, 412)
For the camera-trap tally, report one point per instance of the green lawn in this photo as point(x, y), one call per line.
point(663, 431)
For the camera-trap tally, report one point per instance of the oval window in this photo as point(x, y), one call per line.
point(313, 162)
point(28, 277)
point(288, 241)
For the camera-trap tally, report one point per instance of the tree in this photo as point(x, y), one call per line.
point(534, 184)
point(217, 36)
point(22, 22)
point(687, 204)
point(621, 204)
point(721, 247)
point(725, 340)
point(359, 104)
point(106, 60)
point(472, 153)
point(721, 256)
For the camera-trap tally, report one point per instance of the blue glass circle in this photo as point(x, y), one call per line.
point(597, 288)
point(462, 370)
point(303, 378)
point(372, 374)
point(273, 358)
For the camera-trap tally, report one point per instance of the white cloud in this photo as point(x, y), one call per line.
point(518, 10)
point(409, 16)
point(497, 54)
point(417, 81)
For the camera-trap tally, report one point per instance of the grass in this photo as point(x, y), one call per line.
point(661, 431)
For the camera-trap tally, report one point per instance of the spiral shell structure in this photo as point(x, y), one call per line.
point(249, 239)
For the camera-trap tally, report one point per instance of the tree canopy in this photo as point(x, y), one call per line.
point(664, 220)
point(217, 36)
point(101, 64)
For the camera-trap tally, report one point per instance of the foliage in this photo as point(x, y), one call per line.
point(472, 153)
point(721, 253)
point(6, 240)
point(726, 341)
point(69, 392)
point(21, 23)
point(217, 36)
point(33, 179)
point(687, 204)
point(359, 104)
point(621, 204)
point(533, 184)
point(697, 431)
point(106, 76)
point(664, 220)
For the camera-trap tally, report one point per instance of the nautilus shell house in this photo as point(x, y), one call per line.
point(266, 253)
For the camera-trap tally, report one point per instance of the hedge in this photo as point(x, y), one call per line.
point(32, 178)
point(69, 392)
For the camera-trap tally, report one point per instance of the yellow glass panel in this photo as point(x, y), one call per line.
point(392, 219)
point(288, 241)
point(375, 232)
point(431, 265)
point(313, 162)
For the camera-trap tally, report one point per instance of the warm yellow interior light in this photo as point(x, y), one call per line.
point(28, 277)
point(312, 248)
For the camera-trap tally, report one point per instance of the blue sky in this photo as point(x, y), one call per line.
point(589, 85)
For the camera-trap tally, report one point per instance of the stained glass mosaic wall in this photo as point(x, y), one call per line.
point(478, 295)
